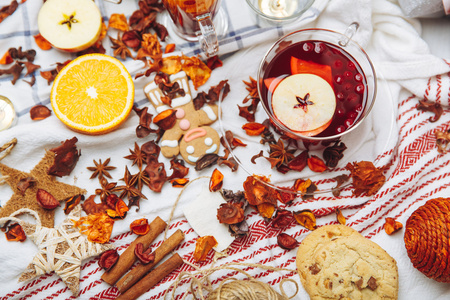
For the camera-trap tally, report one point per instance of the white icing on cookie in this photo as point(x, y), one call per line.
point(169, 143)
point(190, 149)
point(212, 149)
point(192, 158)
point(162, 108)
point(208, 141)
point(181, 100)
point(209, 112)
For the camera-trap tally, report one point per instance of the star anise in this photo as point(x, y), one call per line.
point(137, 156)
point(139, 179)
point(101, 169)
point(280, 153)
point(303, 102)
point(252, 87)
point(120, 49)
point(128, 190)
point(107, 189)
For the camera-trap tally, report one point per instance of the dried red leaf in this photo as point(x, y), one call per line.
point(66, 158)
point(253, 128)
point(15, 233)
point(132, 39)
point(316, 164)
point(282, 219)
point(287, 195)
point(156, 174)
point(140, 226)
point(108, 259)
point(46, 200)
point(214, 62)
point(216, 181)
point(299, 162)
point(39, 112)
point(230, 213)
point(25, 183)
point(90, 207)
point(286, 241)
point(391, 226)
point(366, 177)
point(71, 202)
point(145, 257)
point(202, 247)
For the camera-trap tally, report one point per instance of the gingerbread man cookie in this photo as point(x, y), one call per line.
point(190, 136)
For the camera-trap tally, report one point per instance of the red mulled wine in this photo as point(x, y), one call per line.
point(331, 63)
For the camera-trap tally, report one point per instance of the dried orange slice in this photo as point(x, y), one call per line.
point(93, 94)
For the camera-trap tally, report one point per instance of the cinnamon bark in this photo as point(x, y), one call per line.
point(140, 270)
point(152, 278)
point(127, 259)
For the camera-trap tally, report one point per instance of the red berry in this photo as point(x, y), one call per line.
point(340, 129)
point(358, 77)
point(359, 88)
point(338, 79)
point(307, 47)
point(319, 48)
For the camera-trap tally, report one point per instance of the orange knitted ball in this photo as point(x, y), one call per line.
point(427, 239)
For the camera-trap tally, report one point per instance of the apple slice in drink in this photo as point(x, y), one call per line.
point(70, 25)
point(304, 103)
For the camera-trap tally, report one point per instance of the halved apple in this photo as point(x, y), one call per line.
point(304, 103)
point(70, 25)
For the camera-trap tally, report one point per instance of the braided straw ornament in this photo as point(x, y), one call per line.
point(427, 240)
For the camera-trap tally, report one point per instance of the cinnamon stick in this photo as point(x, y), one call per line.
point(127, 258)
point(140, 270)
point(152, 278)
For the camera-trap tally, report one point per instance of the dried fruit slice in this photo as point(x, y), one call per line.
point(304, 103)
point(93, 94)
point(299, 66)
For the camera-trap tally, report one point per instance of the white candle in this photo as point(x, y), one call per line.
point(7, 113)
point(278, 8)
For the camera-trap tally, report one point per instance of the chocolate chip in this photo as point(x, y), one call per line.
point(359, 283)
point(314, 269)
point(372, 283)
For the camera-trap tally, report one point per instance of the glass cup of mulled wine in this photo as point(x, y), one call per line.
point(317, 85)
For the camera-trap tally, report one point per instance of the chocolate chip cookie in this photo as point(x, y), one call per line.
point(336, 262)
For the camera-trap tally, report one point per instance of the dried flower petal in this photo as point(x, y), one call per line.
point(316, 164)
point(340, 217)
point(14, 233)
point(166, 119)
point(253, 128)
point(42, 43)
point(286, 241)
point(230, 213)
point(266, 210)
point(140, 226)
point(197, 71)
point(156, 174)
point(442, 140)
point(66, 158)
point(366, 177)
point(202, 247)
point(6, 59)
point(120, 210)
point(433, 107)
point(71, 202)
point(145, 257)
point(169, 48)
point(97, 227)
point(306, 218)
point(179, 182)
point(391, 226)
point(299, 162)
point(171, 65)
point(256, 192)
point(282, 219)
point(25, 183)
point(39, 112)
point(118, 21)
point(90, 207)
point(108, 259)
point(216, 181)
point(46, 200)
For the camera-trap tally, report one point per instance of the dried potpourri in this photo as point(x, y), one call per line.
point(216, 181)
point(316, 164)
point(145, 256)
point(340, 179)
point(42, 43)
point(140, 226)
point(66, 158)
point(206, 161)
point(366, 177)
point(166, 119)
point(391, 226)
point(253, 128)
point(46, 200)
point(101, 169)
point(120, 210)
point(432, 107)
point(248, 112)
point(107, 188)
point(118, 21)
point(25, 183)
point(156, 173)
point(305, 187)
point(261, 195)
point(286, 241)
point(6, 59)
point(14, 70)
point(230, 213)
point(8, 10)
point(179, 169)
point(108, 259)
point(90, 207)
point(333, 154)
point(13, 232)
point(51, 74)
point(40, 112)
point(306, 218)
point(232, 141)
point(282, 219)
point(179, 182)
point(340, 217)
point(97, 227)
point(442, 140)
point(197, 71)
point(202, 247)
point(71, 202)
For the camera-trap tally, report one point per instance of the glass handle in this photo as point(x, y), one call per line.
point(207, 35)
point(348, 34)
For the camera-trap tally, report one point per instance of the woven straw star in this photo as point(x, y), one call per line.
point(61, 250)
point(59, 190)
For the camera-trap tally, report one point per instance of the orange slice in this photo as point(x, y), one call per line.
point(93, 94)
point(299, 66)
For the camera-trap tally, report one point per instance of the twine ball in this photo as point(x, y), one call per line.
point(427, 240)
point(245, 290)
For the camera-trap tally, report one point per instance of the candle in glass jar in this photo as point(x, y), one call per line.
point(7, 113)
point(278, 8)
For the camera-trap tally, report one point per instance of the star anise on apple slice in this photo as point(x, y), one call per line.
point(303, 102)
point(101, 169)
point(279, 152)
point(137, 156)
